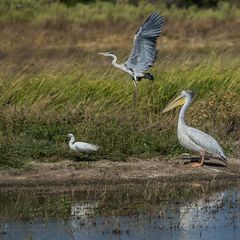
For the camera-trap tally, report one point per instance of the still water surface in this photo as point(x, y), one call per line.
point(215, 217)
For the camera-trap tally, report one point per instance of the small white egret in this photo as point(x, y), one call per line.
point(192, 138)
point(143, 52)
point(81, 146)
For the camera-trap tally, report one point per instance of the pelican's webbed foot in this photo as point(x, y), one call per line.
point(201, 163)
point(196, 164)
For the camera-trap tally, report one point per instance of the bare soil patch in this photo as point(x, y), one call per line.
point(65, 175)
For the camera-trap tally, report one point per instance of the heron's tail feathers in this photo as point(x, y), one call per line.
point(148, 76)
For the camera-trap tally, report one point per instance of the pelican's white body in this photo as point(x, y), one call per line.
point(194, 139)
point(81, 146)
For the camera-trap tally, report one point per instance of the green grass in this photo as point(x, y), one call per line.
point(42, 12)
point(38, 110)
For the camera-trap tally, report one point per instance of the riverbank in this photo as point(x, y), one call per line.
point(68, 176)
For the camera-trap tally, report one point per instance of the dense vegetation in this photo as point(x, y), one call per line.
point(52, 82)
point(37, 12)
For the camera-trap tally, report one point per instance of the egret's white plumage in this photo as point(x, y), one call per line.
point(143, 52)
point(81, 146)
point(192, 138)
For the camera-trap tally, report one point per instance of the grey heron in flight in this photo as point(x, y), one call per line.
point(143, 52)
point(192, 138)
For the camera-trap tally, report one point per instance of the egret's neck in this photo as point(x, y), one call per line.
point(181, 119)
point(71, 141)
point(114, 61)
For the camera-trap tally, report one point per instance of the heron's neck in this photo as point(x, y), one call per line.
point(114, 61)
point(181, 119)
point(71, 141)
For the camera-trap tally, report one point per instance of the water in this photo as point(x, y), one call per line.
point(214, 217)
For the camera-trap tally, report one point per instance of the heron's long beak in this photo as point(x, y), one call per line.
point(102, 54)
point(176, 102)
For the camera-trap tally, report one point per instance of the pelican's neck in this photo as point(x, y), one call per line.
point(71, 141)
point(114, 61)
point(181, 119)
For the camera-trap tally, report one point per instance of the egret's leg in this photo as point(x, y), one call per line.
point(201, 162)
point(88, 156)
point(135, 94)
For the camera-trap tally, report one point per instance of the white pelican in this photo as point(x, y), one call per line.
point(81, 146)
point(192, 138)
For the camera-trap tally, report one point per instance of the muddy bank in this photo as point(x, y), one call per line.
point(87, 176)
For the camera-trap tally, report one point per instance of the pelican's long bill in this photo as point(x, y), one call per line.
point(176, 102)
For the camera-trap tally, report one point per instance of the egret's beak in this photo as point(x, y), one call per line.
point(180, 100)
point(104, 54)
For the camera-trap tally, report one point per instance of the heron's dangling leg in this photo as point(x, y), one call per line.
point(201, 162)
point(135, 94)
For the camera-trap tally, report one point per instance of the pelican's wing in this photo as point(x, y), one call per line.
point(205, 141)
point(143, 52)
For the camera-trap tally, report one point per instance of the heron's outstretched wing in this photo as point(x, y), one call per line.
point(143, 52)
point(205, 141)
